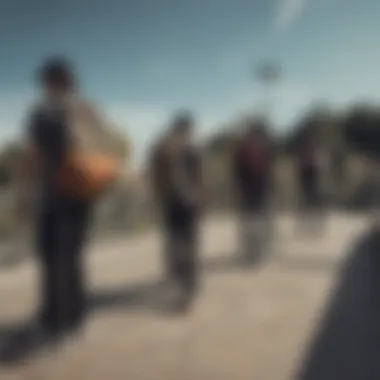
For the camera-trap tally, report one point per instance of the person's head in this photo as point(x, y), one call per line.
point(183, 127)
point(257, 128)
point(56, 76)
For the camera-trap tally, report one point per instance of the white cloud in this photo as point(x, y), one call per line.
point(288, 11)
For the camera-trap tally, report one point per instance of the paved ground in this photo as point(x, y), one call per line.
point(253, 324)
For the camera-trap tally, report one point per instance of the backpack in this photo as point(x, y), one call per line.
point(90, 166)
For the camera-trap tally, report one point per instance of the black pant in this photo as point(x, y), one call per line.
point(254, 217)
point(61, 234)
point(254, 196)
point(181, 254)
point(309, 183)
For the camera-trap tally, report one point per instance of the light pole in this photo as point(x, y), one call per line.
point(267, 75)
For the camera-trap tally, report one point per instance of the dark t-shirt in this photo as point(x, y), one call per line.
point(308, 161)
point(252, 165)
point(47, 130)
point(177, 178)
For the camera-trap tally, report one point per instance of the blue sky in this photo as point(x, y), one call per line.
point(143, 59)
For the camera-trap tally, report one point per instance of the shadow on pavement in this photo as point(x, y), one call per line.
point(306, 263)
point(147, 295)
point(9, 330)
point(346, 344)
point(21, 341)
point(150, 294)
point(234, 263)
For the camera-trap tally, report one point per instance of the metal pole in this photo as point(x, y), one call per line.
point(268, 75)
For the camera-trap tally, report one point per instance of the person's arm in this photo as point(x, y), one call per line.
point(238, 169)
point(271, 165)
point(154, 172)
point(198, 171)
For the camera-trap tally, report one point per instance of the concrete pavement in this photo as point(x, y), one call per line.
point(247, 324)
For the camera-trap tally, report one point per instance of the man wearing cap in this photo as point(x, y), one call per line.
point(62, 222)
point(178, 184)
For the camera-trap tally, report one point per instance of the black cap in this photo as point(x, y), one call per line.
point(257, 126)
point(56, 70)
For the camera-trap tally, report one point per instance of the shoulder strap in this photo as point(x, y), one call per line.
point(90, 129)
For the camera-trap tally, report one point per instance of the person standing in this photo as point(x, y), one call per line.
point(311, 165)
point(178, 186)
point(252, 168)
point(64, 209)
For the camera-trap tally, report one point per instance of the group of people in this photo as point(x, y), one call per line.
point(177, 177)
point(178, 181)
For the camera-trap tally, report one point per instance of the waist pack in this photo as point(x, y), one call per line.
point(91, 164)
